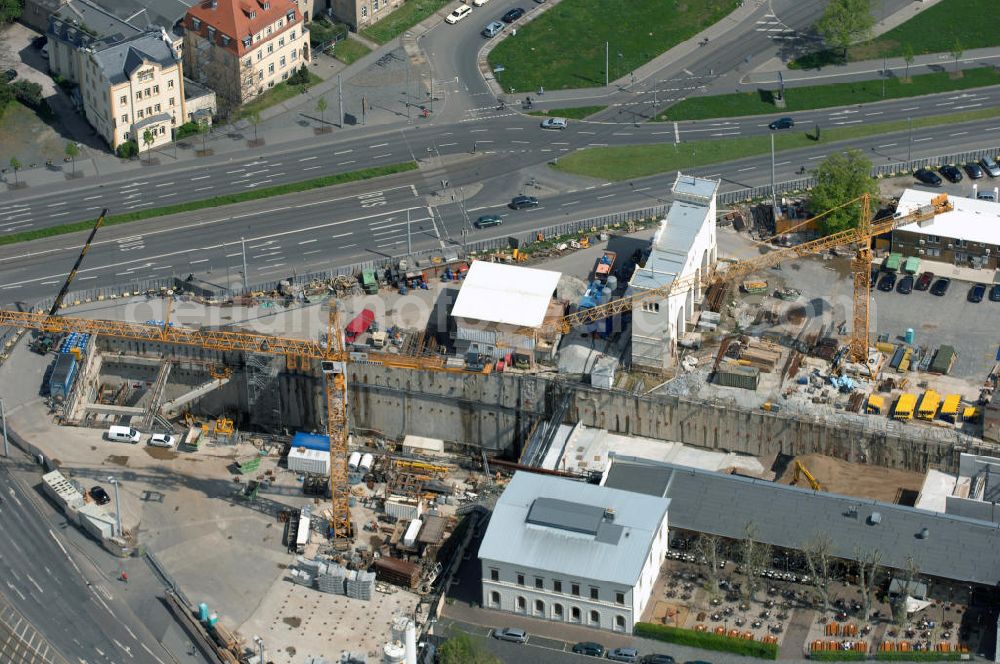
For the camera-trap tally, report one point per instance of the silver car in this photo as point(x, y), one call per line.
point(554, 123)
point(515, 634)
point(990, 166)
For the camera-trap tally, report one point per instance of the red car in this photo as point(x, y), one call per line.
point(924, 281)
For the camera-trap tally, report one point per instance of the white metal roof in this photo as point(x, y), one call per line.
point(559, 525)
point(972, 219)
point(509, 294)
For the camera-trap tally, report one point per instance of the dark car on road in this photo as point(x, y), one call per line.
point(951, 173)
point(521, 202)
point(657, 658)
point(782, 123)
point(487, 220)
point(928, 177)
point(905, 285)
point(940, 286)
point(100, 496)
point(589, 648)
point(973, 170)
point(977, 292)
point(887, 283)
point(995, 293)
point(924, 281)
point(512, 15)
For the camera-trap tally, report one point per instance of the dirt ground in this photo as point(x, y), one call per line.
point(853, 479)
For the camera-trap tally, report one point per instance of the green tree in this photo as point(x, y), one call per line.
point(321, 106)
point(463, 649)
point(147, 140)
point(15, 163)
point(72, 152)
point(254, 118)
point(841, 177)
point(908, 57)
point(10, 10)
point(956, 52)
point(203, 130)
point(846, 22)
point(28, 93)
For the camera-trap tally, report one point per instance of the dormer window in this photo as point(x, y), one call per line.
point(290, 16)
point(246, 42)
point(211, 33)
point(195, 24)
point(267, 5)
point(253, 15)
point(225, 40)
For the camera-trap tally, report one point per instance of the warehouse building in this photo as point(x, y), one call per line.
point(573, 552)
point(500, 309)
point(968, 236)
point(684, 246)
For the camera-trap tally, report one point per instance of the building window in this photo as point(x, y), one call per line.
point(292, 36)
point(123, 100)
point(539, 583)
point(280, 22)
point(281, 42)
point(593, 593)
point(960, 243)
point(138, 95)
point(249, 80)
point(619, 597)
point(260, 55)
point(156, 89)
point(574, 614)
point(260, 76)
point(557, 611)
point(374, 5)
point(171, 101)
point(494, 575)
point(619, 623)
point(195, 24)
point(211, 33)
point(246, 44)
point(520, 579)
point(282, 62)
point(138, 113)
point(290, 16)
point(295, 55)
point(364, 11)
point(225, 40)
point(146, 92)
point(495, 599)
point(933, 252)
point(149, 110)
point(270, 84)
point(253, 15)
point(284, 77)
point(157, 108)
point(124, 118)
point(522, 605)
point(557, 586)
point(270, 68)
point(575, 590)
point(595, 619)
point(269, 30)
point(651, 306)
point(539, 607)
point(163, 130)
point(270, 48)
point(170, 84)
point(933, 239)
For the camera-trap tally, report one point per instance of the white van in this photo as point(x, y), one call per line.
point(123, 435)
point(460, 12)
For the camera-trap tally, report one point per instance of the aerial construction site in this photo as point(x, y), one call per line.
point(331, 469)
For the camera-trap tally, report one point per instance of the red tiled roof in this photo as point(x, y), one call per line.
point(233, 19)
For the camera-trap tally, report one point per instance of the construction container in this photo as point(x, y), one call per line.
point(304, 460)
point(970, 414)
point(248, 464)
point(422, 445)
point(412, 530)
point(404, 509)
point(63, 375)
point(876, 405)
point(353, 461)
point(366, 462)
point(905, 405)
point(736, 376)
point(754, 286)
point(928, 407)
point(398, 572)
point(944, 359)
point(892, 262)
point(950, 407)
point(311, 441)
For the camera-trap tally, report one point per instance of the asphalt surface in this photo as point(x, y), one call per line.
point(77, 612)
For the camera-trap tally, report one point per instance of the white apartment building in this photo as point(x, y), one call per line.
point(684, 246)
point(573, 552)
point(241, 48)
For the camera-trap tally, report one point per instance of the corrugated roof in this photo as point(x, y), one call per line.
point(671, 245)
point(972, 219)
point(548, 523)
point(509, 294)
point(955, 547)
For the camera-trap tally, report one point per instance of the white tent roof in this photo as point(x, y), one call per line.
point(499, 293)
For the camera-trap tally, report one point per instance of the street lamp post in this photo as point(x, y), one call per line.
point(909, 145)
point(118, 506)
point(3, 416)
point(246, 277)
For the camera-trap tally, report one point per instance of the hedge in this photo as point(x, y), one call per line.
point(838, 656)
point(185, 130)
point(707, 640)
point(922, 656)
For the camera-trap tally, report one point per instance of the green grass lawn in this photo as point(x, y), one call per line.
point(823, 96)
point(349, 50)
point(404, 18)
point(635, 161)
point(578, 113)
point(279, 93)
point(564, 47)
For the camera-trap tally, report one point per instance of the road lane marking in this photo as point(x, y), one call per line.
point(342, 152)
point(307, 159)
point(380, 145)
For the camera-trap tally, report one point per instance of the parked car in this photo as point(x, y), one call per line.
point(995, 293)
point(100, 496)
point(782, 123)
point(905, 285)
point(887, 283)
point(589, 648)
point(554, 123)
point(492, 29)
point(940, 286)
point(928, 177)
point(479, 3)
point(162, 440)
point(990, 166)
point(924, 281)
point(987, 196)
point(514, 634)
point(512, 15)
point(521, 202)
point(458, 14)
point(951, 173)
point(977, 292)
point(656, 658)
point(973, 170)
point(630, 655)
point(487, 220)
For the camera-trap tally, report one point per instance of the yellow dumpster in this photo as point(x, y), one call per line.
point(970, 414)
point(949, 409)
point(876, 405)
point(904, 406)
point(928, 405)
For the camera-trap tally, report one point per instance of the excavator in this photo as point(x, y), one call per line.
point(800, 472)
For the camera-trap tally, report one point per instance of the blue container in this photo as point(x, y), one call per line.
point(203, 612)
point(909, 336)
point(312, 441)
